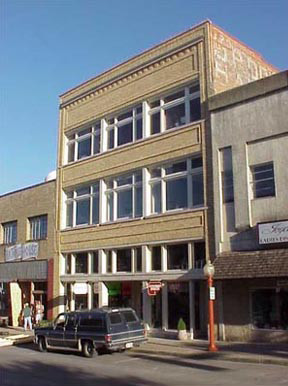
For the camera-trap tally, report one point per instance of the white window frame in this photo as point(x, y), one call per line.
point(35, 227)
point(114, 190)
point(189, 173)
point(8, 232)
point(112, 123)
point(163, 106)
point(74, 199)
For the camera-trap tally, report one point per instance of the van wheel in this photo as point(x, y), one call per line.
point(87, 349)
point(42, 344)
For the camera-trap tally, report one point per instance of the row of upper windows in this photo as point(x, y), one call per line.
point(141, 121)
point(174, 186)
point(158, 258)
point(37, 230)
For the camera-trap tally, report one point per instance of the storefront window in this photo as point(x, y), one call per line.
point(81, 263)
point(177, 256)
point(178, 304)
point(270, 308)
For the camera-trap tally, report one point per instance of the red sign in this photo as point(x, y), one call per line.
point(154, 287)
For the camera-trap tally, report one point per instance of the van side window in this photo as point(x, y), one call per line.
point(115, 318)
point(91, 321)
point(129, 316)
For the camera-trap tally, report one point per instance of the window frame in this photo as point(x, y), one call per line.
point(37, 221)
point(10, 232)
point(254, 182)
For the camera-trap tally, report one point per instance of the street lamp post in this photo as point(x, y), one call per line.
point(209, 273)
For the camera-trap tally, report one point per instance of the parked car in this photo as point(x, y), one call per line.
point(102, 329)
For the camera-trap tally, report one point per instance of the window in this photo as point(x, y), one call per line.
point(84, 143)
point(226, 170)
point(68, 264)
point(124, 197)
point(38, 227)
point(82, 206)
point(270, 308)
point(175, 109)
point(109, 261)
point(95, 262)
point(91, 321)
point(177, 186)
point(138, 257)
point(81, 263)
point(124, 260)
point(10, 232)
point(125, 128)
point(156, 258)
point(177, 256)
point(115, 318)
point(199, 255)
point(263, 184)
point(129, 316)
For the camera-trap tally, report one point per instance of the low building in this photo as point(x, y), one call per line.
point(27, 250)
point(250, 141)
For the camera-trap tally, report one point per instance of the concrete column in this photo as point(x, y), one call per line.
point(192, 308)
point(72, 302)
point(146, 304)
point(103, 295)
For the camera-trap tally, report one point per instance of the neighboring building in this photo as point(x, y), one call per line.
point(27, 249)
point(250, 141)
point(135, 209)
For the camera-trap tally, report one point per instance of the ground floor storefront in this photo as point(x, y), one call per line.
point(160, 309)
point(21, 283)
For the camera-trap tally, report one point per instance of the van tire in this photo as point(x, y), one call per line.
point(42, 344)
point(87, 349)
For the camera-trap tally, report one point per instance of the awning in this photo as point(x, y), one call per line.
point(251, 264)
point(24, 270)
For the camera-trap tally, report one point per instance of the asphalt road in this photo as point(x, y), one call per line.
point(24, 365)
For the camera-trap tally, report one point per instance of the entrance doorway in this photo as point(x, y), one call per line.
point(178, 304)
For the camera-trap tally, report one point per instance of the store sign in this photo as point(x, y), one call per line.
point(212, 293)
point(273, 232)
point(154, 288)
point(21, 252)
point(80, 288)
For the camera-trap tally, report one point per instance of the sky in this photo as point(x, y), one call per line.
point(50, 46)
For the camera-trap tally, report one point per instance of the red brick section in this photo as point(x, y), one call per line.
point(50, 289)
point(251, 264)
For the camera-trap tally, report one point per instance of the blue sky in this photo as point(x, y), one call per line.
point(50, 46)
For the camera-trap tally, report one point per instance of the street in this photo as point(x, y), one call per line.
point(24, 365)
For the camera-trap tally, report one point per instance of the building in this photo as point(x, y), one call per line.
point(134, 191)
point(250, 140)
point(27, 250)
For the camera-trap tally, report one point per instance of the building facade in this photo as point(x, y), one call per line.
point(250, 140)
point(134, 192)
point(27, 250)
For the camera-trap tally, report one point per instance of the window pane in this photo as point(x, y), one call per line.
point(177, 256)
point(199, 255)
point(68, 264)
point(172, 97)
point(176, 168)
point(82, 191)
point(156, 172)
point(138, 201)
point(197, 189)
point(111, 139)
point(139, 128)
point(109, 261)
point(124, 180)
point(84, 132)
point(126, 115)
point(123, 260)
point(195, 110)
point(156, 258)
point(176, 194)
point(175, 116)
point(156, 198)
point(82, 211)
point(197, 162)
point(84, 148)
point(95, 209)
point(95, 262)
point(264, 188)
point(195, 88)
point(155, 123)
point(124, 203)
point(125, 134)
point(110, 206)
point(71, 151)
point(154, 104)
point(227, 186)
point(81, 263)
point(138, 255)
point(263, 179)
point(96, 148)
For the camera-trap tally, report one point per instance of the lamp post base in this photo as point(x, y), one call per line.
point(212, 348)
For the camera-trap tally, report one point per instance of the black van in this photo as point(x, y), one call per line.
point(102, 329)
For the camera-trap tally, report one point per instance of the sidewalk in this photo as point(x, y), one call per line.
point(264, 353)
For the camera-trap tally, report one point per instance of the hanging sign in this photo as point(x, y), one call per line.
point(154, 287)
point(273, 232)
